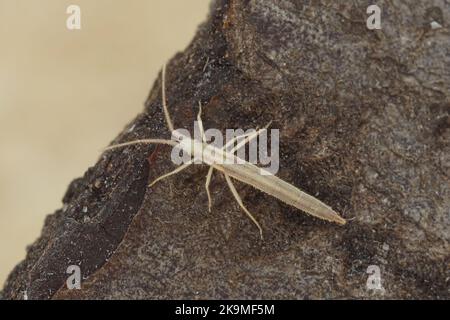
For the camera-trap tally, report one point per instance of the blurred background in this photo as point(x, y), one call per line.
point(65, 94)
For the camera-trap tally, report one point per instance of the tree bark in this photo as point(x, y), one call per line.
point(364, 126)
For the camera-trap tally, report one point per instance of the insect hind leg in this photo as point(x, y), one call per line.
point(241, 204)
point(208, 181)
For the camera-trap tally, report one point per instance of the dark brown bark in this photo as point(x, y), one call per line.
point(365, 127)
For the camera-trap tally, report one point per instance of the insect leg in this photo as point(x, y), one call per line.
point(239, 200)
point(211, 169)
point(179, 169)
point(249, 137)
point(208, 181)
point(247, 140)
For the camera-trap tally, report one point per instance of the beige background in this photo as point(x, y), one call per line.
point(65, 94)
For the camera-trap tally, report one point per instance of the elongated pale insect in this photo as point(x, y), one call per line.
point(242, 170)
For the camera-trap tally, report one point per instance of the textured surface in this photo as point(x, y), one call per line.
point(365, 127)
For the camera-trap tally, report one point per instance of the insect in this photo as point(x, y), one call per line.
point(243, 171)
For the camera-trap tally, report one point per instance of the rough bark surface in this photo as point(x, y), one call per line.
point(364, 126)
